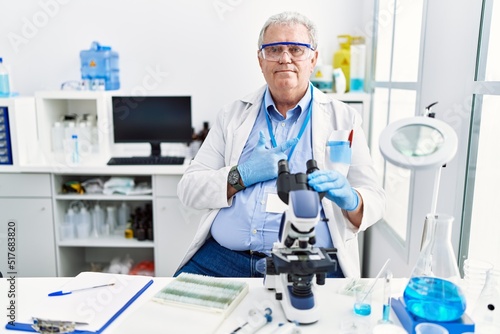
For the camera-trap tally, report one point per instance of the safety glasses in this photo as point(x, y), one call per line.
point(296, 51)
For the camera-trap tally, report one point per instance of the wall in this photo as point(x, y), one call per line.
point(204, 48)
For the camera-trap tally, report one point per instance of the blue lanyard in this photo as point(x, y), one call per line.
point(302, 129)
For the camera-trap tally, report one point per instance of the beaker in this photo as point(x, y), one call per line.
point(486, 313)
point(432, 292)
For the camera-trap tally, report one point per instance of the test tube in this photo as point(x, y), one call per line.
point(386, 307)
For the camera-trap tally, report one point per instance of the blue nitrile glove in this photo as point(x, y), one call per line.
point(336, 186)
point(263, 162)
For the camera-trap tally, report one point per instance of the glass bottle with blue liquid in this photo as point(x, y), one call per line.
point(432, 292)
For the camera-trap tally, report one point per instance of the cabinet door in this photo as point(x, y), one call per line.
point(35, 251)
point(175, 226)
point(24, 185)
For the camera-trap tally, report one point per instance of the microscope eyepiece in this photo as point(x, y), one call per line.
point(311, 166)
point(283, 167)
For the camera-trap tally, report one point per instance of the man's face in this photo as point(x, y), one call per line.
point(287, 74)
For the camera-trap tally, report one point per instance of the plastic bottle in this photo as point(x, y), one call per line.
point(69, 130)
point(57, 137)
point(358, 62)
point(98, 220)
point(75, 153)
point(84, 138)
point(342, 57)
point(4, 80)
point(340, 81)
point(110, 219)
point(123, 214)
point(94, 134)
point(322, 77)
point(84, 224)
point(69, 225)
point(69, 146)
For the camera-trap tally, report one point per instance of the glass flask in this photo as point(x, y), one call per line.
point(486, 313)
point(432, 292)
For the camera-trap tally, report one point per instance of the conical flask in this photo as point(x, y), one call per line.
point(432, 292)
point(486, 314)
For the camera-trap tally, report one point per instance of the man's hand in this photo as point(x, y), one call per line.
point(336, 186)
point(263, 162)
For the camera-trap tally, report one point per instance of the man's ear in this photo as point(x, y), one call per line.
point(314, 60)
point(260, 59)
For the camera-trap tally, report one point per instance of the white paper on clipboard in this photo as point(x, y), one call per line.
point(92, 309)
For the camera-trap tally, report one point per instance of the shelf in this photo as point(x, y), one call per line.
point(111, 242)
point(100, 197)
point(351, 97)
point(72, 95)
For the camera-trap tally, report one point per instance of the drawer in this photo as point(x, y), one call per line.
point(166, 185)
point(24, 185)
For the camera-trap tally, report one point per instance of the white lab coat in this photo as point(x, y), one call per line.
point(204, 184)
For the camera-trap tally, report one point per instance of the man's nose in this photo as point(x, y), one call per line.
point(285, 57)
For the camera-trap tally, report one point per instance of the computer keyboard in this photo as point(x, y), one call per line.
point(150, 160)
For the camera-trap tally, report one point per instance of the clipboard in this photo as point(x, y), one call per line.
point(92, 310)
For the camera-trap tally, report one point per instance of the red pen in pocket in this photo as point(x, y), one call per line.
point(350, 137)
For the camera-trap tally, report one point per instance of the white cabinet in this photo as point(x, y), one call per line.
point(175, 225)
point(25, 203)
point(93, 253)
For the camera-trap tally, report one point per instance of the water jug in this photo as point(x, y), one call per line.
point(98, 64)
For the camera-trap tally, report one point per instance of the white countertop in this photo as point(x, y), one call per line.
point(145, 316)
point(95, 168)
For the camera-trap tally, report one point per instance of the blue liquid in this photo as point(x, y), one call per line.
point(4, 85)
point(386, 311)
point(357, 85)
point(362, 309)
point(434, 299)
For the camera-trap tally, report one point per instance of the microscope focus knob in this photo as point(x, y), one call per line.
point(289, 241)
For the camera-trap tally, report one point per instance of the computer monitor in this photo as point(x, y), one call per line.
point(152, 119)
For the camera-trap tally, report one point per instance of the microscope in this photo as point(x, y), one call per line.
point(294, 260)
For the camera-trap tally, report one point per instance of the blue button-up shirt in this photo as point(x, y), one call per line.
point(246, 225)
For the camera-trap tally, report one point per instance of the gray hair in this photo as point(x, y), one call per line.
point(291, 18)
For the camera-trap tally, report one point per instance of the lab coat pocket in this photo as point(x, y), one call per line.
point(339, 156)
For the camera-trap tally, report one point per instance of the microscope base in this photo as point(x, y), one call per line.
point(299, 309)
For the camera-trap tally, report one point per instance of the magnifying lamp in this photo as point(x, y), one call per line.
point(418, 143)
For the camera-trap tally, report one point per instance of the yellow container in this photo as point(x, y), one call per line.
point(342, 57)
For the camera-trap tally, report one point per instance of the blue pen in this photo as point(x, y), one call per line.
point(62, 293)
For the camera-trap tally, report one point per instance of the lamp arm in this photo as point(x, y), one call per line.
point(435, 191)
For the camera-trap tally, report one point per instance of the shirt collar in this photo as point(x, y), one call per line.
point(273, 112)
